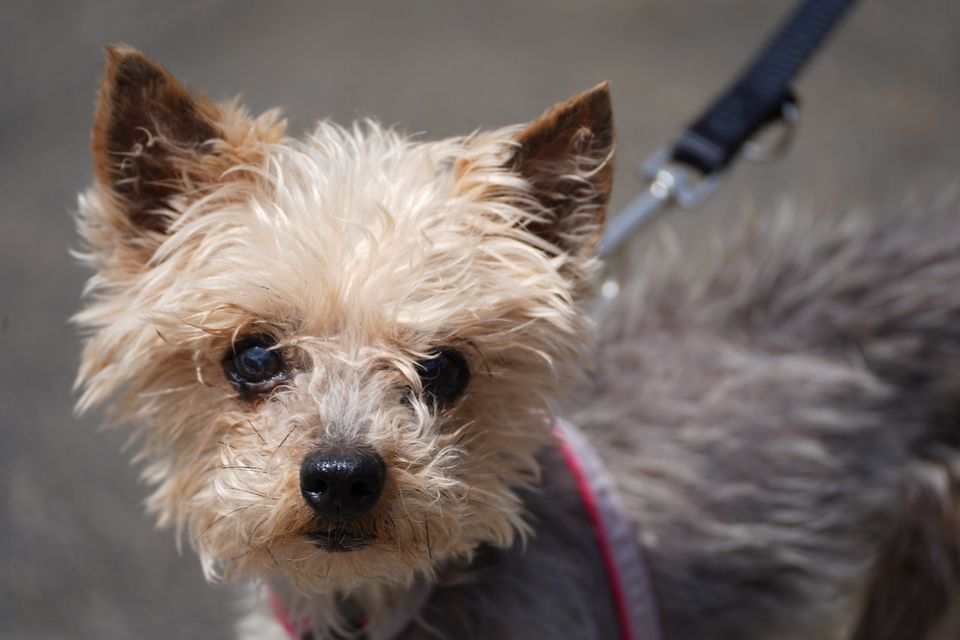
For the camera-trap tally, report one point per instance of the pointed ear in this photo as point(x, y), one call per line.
point(566, 155)
point(154, 140)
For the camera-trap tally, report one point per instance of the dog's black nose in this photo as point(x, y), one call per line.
point(342, 484)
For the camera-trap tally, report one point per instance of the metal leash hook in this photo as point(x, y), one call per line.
point(668, 182)
point(672, 182)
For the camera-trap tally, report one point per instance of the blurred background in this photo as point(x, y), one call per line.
point(78, 559)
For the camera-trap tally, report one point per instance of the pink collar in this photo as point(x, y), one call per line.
point(616, 537)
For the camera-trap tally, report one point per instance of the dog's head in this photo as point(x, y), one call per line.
point(339, 353)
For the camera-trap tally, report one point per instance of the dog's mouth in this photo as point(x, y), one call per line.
point(340, 540)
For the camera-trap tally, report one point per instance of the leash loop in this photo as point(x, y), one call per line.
point(764, 148)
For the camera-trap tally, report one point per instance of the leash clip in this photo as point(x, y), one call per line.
point(677, 181)
point(668, 182)
point(673, 181)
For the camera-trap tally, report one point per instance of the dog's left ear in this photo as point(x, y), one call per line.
point(566, 156)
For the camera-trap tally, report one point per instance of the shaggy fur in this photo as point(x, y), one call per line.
point(781, 419)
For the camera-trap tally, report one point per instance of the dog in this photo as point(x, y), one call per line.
point(345, 357)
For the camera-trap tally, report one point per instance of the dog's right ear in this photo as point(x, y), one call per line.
point(156, 145)
point(566, 157)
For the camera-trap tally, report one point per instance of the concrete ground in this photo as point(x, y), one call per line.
point(78, 559)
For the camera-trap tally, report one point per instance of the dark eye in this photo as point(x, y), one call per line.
point(444, 377)
point(252, 365)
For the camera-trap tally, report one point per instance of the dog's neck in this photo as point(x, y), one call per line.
point(381, 612)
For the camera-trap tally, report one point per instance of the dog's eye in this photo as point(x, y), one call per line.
point(444, 376)
point(252, 365)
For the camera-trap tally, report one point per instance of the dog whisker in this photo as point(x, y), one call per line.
point(240, 556)
point(255, 493)
point(426, 527)
point(272, 557)
point(241, 467)
point(256, 431)
point(218, 520)
point(282, 442)
point(256, 529)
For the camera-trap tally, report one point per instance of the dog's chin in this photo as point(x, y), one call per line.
point(339, 540)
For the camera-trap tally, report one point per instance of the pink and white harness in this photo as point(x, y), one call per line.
point(616, 535)
point(616, 538)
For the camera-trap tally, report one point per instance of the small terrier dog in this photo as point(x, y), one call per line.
point(343, 357)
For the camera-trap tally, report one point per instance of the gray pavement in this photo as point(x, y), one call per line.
point(78, 559)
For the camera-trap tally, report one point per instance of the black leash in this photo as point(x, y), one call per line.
point(688, 170)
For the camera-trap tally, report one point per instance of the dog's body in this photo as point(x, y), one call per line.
point(793, 400)
point(343, 355)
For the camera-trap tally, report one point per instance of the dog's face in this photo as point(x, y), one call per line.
point(339, 353)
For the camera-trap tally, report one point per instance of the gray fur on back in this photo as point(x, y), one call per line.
point(782, 418)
